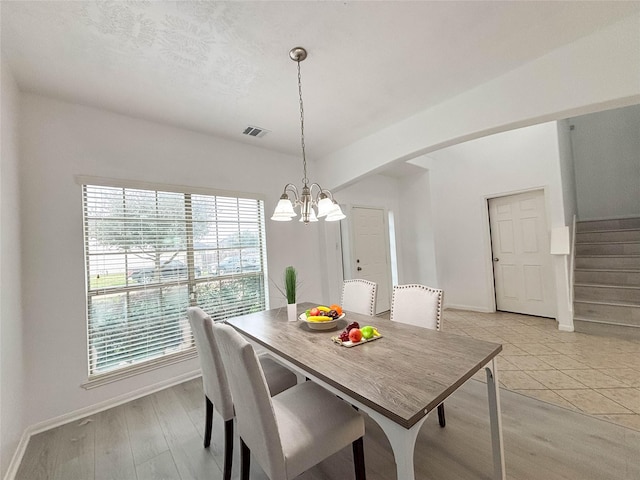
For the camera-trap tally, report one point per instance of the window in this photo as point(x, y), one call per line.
point(149, 255)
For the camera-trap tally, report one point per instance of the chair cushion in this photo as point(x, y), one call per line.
point(313, 425)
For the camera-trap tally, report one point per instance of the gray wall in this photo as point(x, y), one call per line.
point(606, 150)
point(12, 356)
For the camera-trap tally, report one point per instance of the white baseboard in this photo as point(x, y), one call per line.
point(470, 308)
point(86, 411)
point(565, 328)
point(618, 217)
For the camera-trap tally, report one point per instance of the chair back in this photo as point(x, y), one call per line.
point(359, 296)
point(255, 416)
point(214, 379)
point(417, 305)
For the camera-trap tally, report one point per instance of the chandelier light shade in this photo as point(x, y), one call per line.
point(311, 196)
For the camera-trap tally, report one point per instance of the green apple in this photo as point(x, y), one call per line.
point(367, 332)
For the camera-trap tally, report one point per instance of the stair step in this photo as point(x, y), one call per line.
point(608, 312)
point(594, 327)
point(628, 278)
point(630, 235)
point(609, 262)
point(612, 224)
point(608, 248)
point(607, 293)
point(607, 277)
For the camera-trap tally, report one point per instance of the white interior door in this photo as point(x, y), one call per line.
point(370, 252)
point(522, 267)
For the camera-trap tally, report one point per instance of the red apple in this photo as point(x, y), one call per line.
point(355, 335)
point(314, 312)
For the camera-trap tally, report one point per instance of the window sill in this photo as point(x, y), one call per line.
point(132, 371)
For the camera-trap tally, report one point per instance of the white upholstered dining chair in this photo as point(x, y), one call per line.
point(359, 296)
point(290, 432)
point(216, 387)
point(421, 306)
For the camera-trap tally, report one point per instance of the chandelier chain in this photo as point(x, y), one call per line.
point(293, 198)
point(305, 180)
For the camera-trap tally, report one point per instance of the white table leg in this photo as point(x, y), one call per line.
point(493, 392)
point(403, 442)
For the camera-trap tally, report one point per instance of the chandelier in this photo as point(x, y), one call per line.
point(311, 196)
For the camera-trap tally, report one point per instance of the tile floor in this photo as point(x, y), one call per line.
point(596, 375)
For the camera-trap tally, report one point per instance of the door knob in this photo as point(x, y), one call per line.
point(359, 268)
point(496, 259)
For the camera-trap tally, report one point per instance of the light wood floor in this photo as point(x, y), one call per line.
point(160, 437)
point(566, 392)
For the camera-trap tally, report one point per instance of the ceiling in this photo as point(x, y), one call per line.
point(218, 67)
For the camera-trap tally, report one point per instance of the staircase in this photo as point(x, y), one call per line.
point(607, 277)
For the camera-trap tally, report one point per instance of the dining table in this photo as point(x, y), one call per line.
point(397, 379)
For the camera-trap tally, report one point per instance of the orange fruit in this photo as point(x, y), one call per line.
point(337, 308)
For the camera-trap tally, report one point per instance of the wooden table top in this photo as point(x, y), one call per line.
point(403, 375)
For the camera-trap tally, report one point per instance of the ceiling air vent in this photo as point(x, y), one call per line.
point(255, 132)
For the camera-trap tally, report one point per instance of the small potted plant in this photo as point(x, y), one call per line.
point(290, 285)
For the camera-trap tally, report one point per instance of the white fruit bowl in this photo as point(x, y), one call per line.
point(328, 325)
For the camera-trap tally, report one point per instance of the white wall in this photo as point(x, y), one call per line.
point(408, 197)
point(373, 191)
point(462, 178)
point(595, 72)
point(11, 323)
point(60, 140)
point(607, 163)
point(415, 224)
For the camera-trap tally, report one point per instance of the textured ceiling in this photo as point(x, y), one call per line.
point(217, 67)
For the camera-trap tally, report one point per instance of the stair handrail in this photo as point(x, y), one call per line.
point(572, 257)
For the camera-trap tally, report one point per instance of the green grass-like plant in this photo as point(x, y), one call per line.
point(290, 283)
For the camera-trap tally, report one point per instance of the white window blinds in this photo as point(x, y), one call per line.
point(150, 254)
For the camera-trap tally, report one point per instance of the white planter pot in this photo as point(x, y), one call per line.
point(292, 312)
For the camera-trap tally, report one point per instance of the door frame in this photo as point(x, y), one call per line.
point(486, 221)
point(348, 236)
